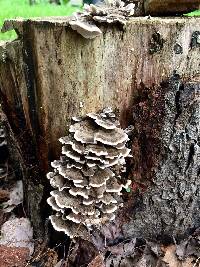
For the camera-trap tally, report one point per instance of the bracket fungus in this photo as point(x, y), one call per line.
point(114, 12)
point(86, 29)
point(88, 177)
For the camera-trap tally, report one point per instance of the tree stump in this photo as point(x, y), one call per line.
point(149, 71)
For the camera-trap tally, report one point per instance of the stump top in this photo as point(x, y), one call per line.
point(17, 23)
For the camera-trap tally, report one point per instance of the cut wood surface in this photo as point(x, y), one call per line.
point(149, 71)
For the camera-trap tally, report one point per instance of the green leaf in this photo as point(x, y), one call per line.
point(128, 190)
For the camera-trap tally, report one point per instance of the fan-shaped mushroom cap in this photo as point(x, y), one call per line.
point(56, 163)
point(77, 119)
point(107, 110)
point(83, 184)
point(91, 163)
point(88, 201)
point(88, 171)
point(60, 225)
point(112, 162)
point(78, 147)
point(69, 228)
point(111, 137)
point(57, 181)
point(54, 192)
point(73, 145)
point(110, 216)
point(79, 192)
point(111, 115)
point(92, 157)
point(108, 199)
point(88, 210)
point(112, 186)
point(99, 205)
point(83, 132)
point(95, 158)
point(98, 192)
point(64, 200)
point(99, 178)
point(50, 175)
point(2, 132)
point(74, 164)
point(97, 149)
point(103, 115)
point(76, 218)
point(110, 208)
point(65, 140)
point(92, 221)
point(87, 30)
point(121, 145)
point(101, 121)
point(71, 174)
point(72, 154)
point(51, 201)
point(114, 152)
point(66, 185)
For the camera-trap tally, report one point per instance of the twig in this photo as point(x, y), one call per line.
point(195, 265)
point(70, 248)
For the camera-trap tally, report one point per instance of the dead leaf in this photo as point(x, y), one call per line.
point(4, 195)
point(97, 262)
point(17, 232)
point(13, 256)
point(170, 256)
point(124, 248)
point(46, 258)
point(171, 259)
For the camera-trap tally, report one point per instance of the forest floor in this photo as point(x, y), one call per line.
point(22, 8)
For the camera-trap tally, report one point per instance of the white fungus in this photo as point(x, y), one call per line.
point(88, 176)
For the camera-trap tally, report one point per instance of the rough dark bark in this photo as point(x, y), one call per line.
point(167, 7)
point(149, 70)
point(166, 145)
point(13, 82)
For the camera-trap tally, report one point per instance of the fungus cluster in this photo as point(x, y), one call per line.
point(111, 12)
point(88, 176)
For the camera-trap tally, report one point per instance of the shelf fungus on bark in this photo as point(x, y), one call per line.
point(108, 12)
point(88, 176)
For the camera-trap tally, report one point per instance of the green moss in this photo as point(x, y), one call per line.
point(128, 190)
point(21, 8)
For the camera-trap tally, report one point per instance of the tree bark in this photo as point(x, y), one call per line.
point(159, 7)
point(148, 70)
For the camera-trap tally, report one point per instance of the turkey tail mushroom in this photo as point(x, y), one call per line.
point(87, 178)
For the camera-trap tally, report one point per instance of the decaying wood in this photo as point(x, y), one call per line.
point(167, 7)
point(149, 71)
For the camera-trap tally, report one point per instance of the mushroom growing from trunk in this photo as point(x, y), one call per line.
point(87, 178)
